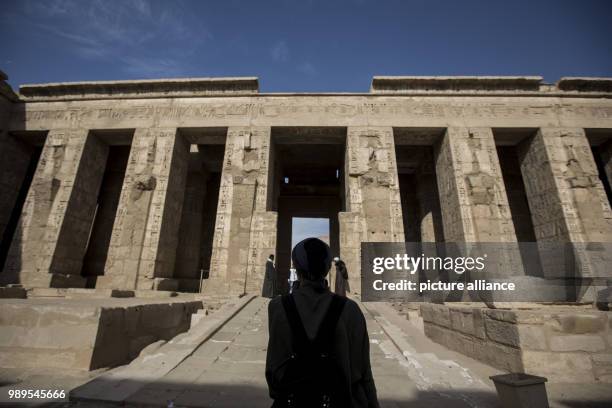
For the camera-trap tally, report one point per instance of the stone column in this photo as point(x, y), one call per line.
point(473, 197)
point(50, 242)
point(374, 211)
point(245, 232)
point(145, 234)
point(566, 197)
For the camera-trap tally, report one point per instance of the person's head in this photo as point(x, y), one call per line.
point(271, 257)
point(336, 259)
point(311, 258)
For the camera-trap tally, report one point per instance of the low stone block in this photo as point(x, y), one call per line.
point(437, 314)
point(139, 343)
point(581, 323)
point(602, 367)
point(157, 294)
point(497, 355)
point(532, 337)
point(12, 293)
point(468, 321)
point(577, 342)
point(508, 316)
point(82, 334)
point(47, 292)
point(559, 367)
point(523, 336)
point(79, 293)
point(502, 332)
point(163, 284)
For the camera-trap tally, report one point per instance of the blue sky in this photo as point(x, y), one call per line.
point(301, 45)
point(303, 228)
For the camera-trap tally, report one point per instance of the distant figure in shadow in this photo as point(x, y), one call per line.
point(269, 284)
point(318, 348)
point(293, 279)
point(342, 283)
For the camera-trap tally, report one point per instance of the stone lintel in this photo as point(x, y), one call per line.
point(585, 84)
point(181, 87)
point(396, 84)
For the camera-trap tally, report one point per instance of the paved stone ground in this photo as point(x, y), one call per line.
point(228, 371)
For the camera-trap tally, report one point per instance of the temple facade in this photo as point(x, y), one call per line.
point(190, 184)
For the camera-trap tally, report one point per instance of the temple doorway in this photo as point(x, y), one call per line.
point(308, 183)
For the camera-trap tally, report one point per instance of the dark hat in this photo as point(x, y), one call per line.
point(312, 258)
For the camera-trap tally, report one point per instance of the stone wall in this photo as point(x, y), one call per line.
point(85, 334)
point(566, 199)
point(564, 344)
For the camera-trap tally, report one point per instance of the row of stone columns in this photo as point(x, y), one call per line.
point(563, 188)
point(565, 195)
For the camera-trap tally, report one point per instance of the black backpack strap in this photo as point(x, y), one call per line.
point(299, 337)
point(325, 335)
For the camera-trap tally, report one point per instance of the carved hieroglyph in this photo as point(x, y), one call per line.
point(145, 234)
point(373, 202)
point(50, 241)
point(245, 233)
point(565, 194)
point(473, 197)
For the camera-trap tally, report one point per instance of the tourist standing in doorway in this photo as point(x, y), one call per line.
point(293, 279)
point(318, 349)
point(269, 285)
point(342, 283)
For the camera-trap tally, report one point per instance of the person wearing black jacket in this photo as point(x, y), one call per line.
point(342, 283)
point(269, 283)
point(318, 349)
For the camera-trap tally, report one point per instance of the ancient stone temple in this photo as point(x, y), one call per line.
point(156, 184)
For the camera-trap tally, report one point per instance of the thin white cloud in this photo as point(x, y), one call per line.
point(153, 67)
point(307, 68)
point(124, 30)
point(280, 51)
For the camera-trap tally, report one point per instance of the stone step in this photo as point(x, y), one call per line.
point(197, 317)
point(12, 292)
point(46, 292)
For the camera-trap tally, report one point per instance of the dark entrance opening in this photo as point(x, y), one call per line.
point(308, 182)
point(418, 184)
point(27, 148)
point(197, 224)
point(511, 144)
point(601, 146)
point(507, 142)
point(107, 202)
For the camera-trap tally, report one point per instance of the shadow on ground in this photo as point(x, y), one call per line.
point(161, 394)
